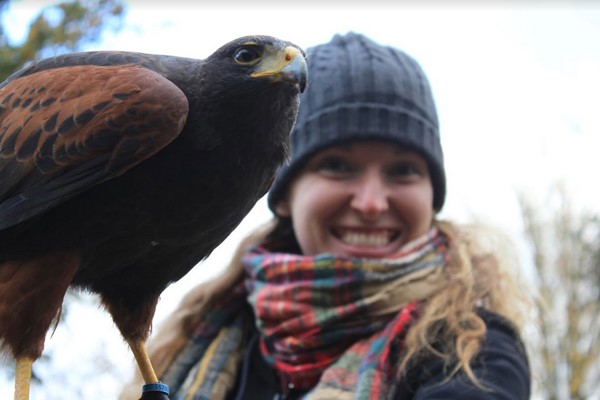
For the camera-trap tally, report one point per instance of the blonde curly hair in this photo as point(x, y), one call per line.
point(481, 274)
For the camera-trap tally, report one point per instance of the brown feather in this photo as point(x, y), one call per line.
point(86, 111)
point(32, 294)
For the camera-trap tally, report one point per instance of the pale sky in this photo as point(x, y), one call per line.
point(517, 90)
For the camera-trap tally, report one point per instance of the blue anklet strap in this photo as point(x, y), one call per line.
point(155, 387)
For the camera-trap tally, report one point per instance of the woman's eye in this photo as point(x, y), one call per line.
point(247, 55)
point(334, 165)
point(404, 170)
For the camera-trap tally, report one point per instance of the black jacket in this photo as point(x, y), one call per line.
point(502, 367)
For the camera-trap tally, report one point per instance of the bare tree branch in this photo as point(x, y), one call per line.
point(565, 247)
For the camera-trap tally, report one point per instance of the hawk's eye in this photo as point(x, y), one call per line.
point(247, 54)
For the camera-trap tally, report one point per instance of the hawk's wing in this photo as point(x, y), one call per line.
point(63, 130)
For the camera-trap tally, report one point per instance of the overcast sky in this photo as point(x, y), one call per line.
point(517, 90)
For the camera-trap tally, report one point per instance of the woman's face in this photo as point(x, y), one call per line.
point(362, 199)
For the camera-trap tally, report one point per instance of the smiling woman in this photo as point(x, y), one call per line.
point(355, 290)
point(363, 199)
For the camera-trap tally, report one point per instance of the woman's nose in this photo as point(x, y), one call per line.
point(370, 196)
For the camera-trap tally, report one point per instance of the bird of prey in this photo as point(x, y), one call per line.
point(120, 171)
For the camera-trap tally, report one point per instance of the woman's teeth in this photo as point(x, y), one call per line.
point(366, 239)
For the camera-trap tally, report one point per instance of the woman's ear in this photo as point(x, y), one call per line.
point(282, 208)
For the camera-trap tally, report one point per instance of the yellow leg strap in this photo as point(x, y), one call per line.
point(143, 361)
point(23, 377)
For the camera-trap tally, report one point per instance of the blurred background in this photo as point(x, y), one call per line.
point(517, 86)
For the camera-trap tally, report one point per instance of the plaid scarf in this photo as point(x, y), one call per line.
point(331, 325)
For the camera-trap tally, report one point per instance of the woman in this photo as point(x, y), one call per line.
point(355, 289)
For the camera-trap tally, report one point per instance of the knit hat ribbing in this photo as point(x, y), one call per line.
point(360, 90)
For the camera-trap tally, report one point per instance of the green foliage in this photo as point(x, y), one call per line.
point(63, 27)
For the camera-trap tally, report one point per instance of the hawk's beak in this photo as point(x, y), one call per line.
point(287, 65)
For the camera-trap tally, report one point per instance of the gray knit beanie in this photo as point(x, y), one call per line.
point(360, 90)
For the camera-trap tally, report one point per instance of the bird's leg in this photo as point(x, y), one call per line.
point(132, 312)
point(22, 377)
point(143, 361)
point(31, 294)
